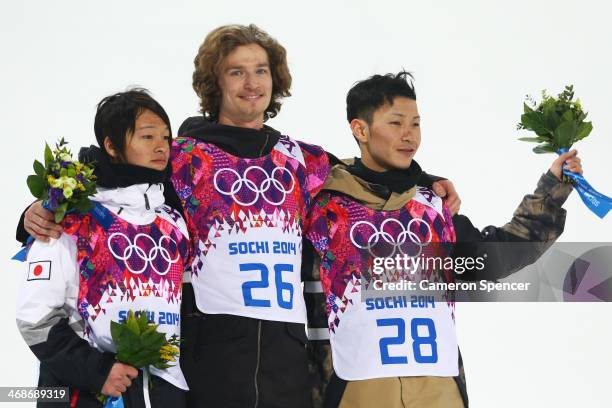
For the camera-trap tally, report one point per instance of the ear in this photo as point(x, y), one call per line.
point(110, 149)
point(360, 130)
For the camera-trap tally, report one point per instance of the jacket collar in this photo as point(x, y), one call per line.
point(371, 195)
point(136, 203)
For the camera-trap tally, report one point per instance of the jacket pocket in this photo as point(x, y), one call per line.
point(297, 331)
point(217, 328)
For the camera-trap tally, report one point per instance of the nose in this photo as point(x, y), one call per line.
point(407, 134)
point(162, 145)
point(250, 81)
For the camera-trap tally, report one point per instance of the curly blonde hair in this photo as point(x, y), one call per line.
point(217, 45)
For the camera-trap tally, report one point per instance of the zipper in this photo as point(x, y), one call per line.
point(265, 144)
point(257, 366)
point(401, 392)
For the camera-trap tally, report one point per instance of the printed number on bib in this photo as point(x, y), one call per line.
point(284, 290)
point(424, 347)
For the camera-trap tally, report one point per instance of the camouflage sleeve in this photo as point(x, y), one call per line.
point(539, 217)
point(537, 222)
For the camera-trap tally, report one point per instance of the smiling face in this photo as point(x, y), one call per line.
point(246, 87)
point(149, 144)
point(392, 138)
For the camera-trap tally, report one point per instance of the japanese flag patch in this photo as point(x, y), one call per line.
point(40, 270)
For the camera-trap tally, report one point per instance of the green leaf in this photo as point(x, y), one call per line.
point(534, 121)
point(116, 331)
point(60, 212)
point(39, 169)
point(36, 184)
point(565, 134)
point(526, 108)
point(48, 155)
point(551, 118)
point(153, 340)
point(143, 321)
point(132, 324)
point(544, 149)
point(568, 116)
point(83, 205)
point(584, 129)
point(531, 139)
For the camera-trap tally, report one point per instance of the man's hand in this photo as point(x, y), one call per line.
point(119, 378)
point(445, 188)
point(40, 223)
point(572, 163)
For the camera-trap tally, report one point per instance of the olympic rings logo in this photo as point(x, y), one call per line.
point(243, 181)
point(395, 242)
point(133, 249)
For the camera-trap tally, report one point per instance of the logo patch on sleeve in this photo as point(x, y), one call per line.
point(39, 270)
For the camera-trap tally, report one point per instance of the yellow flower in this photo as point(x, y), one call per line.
point(54, 182)
point(168, 352)
point(81, 187)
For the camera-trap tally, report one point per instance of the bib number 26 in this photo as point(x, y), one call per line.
point(424, 347)
point(284, 290)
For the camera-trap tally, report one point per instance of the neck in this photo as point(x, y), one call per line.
point(249, 123)
point(396, 180)
point(371, 164)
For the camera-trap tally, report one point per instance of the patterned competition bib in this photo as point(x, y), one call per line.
point(377, 334)
point(246, 215)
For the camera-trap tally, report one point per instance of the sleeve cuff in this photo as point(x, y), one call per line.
point(105, 363)
point(553, 188)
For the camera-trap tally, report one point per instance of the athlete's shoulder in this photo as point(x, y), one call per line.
point(183, 144)
point(172, 216)
point(310, 148)
point(429, 198)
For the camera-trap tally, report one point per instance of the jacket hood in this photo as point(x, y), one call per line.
point(238, 141)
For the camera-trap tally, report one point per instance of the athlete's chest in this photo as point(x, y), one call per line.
point(132, 258)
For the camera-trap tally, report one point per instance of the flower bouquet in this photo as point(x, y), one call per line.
point(559, 123)
point(140, 345)
point(63, 184)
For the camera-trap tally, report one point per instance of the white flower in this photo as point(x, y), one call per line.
point(64, 182)
point(65, 157)
point(67, 192)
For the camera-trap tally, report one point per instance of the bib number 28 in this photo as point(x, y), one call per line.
point(284, 290)
point(424, 347)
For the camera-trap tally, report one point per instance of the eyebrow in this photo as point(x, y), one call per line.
point(150, 127)
point(402, 115)
point(266, 65)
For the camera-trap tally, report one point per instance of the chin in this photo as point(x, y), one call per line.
point(158, 167)
point(402, 164)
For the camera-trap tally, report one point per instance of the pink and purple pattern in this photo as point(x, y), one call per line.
point(222, 191)
point(126, 262)
point(348, 236)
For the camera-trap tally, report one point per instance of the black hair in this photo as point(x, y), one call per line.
point(116, 116)
point(366, 96)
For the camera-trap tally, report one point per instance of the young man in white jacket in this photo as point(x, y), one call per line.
point(128, 253)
